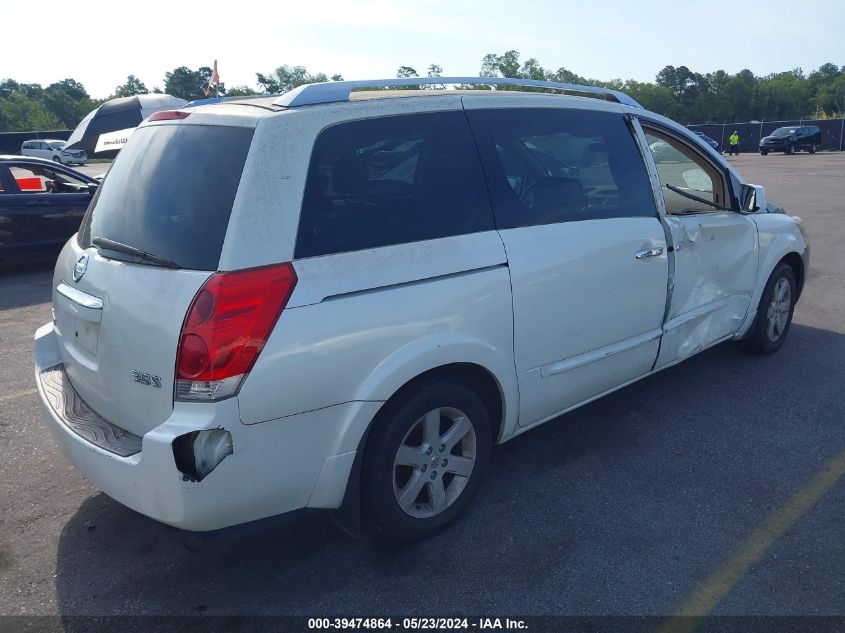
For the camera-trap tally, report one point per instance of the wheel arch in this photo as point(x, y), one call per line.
point(796, 262)
point(493, 395)
point(781, 246)
point(473, 375)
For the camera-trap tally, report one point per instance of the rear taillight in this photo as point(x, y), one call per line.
point(226, 327)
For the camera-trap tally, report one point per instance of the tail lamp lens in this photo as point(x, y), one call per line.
point(226, 328)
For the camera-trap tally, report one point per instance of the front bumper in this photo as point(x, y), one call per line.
point(276, 466)
point(76, 160)
point(777, 147)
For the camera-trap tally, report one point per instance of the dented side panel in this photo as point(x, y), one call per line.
point(716, 258)
point(778, 236)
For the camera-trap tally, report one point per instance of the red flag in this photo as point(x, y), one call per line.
point(215, 79)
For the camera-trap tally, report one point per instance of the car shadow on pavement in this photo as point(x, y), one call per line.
point(615, 506)
point(22, 286)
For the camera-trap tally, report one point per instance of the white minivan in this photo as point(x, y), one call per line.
point(355, 293)
point(54, 149)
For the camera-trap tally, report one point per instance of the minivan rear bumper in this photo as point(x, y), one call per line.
point(276, 466)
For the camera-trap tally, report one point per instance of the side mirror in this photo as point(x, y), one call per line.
point(92, 188)
point(753, 198)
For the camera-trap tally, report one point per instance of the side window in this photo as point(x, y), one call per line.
point(392, 180)
point(30, 179)
point(546, 166)
point(684, 176)
point(37, 179)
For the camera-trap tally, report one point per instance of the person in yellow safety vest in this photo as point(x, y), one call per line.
point(733, 139)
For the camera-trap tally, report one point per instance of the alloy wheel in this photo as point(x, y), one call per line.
point(777, 316)
point(434, 462)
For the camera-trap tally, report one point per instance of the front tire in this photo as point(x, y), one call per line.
point(58, 159)
point(790, 150)
point(764, 152)
point(427, 454)
point(813, 148)
point(774, 313)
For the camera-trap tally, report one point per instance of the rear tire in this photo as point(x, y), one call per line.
point(813, 148)
point(774, 313)
point(409, 491)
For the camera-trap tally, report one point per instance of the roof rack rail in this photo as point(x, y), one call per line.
point(212, 100)
point(332, 91)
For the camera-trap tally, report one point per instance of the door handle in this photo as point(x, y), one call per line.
point(649, 252)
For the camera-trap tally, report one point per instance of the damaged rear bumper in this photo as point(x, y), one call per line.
point(275, 467)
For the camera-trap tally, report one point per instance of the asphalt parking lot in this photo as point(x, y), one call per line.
point(714, 486)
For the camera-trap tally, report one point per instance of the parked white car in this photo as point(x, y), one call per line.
point(362, 293)
point(53, 149)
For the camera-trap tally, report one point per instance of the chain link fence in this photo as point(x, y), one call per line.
point(751, 133)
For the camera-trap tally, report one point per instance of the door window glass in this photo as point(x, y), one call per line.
point(690, 184)
point(561, 165)
point(38, 179)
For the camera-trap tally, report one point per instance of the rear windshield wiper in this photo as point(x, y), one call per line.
point(131, 250)
point(683, 193)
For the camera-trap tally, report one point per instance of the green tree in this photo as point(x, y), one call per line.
point(827, 84)
point(189, 84)
point(22, 114)
point(508, 64)
point(406, 72)
point(489, 66)
point(783, 96)
point(565, 76)
point(68, 101)
point(286, 78)
point(653, 97)
point(435, 70)
point(240, 91)
point(132, 87)
point(532, 69)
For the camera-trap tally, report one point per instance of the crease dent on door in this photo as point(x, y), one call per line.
point(715, 268)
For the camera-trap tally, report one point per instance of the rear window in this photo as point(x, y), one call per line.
point(170, 192)
point(392, 180)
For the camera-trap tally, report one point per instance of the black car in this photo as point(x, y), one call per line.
point(41, 206)
point(792, 139)
point(708, 140)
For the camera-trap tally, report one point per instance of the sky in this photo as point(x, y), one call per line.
point(100, 42)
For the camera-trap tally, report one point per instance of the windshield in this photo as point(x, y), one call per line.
point(170, 193)
point(783, 131)
point(57, 144)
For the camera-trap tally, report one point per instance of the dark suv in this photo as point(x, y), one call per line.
point(792, 139)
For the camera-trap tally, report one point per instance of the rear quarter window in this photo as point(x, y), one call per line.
point(170, 192)
point(392, 180)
